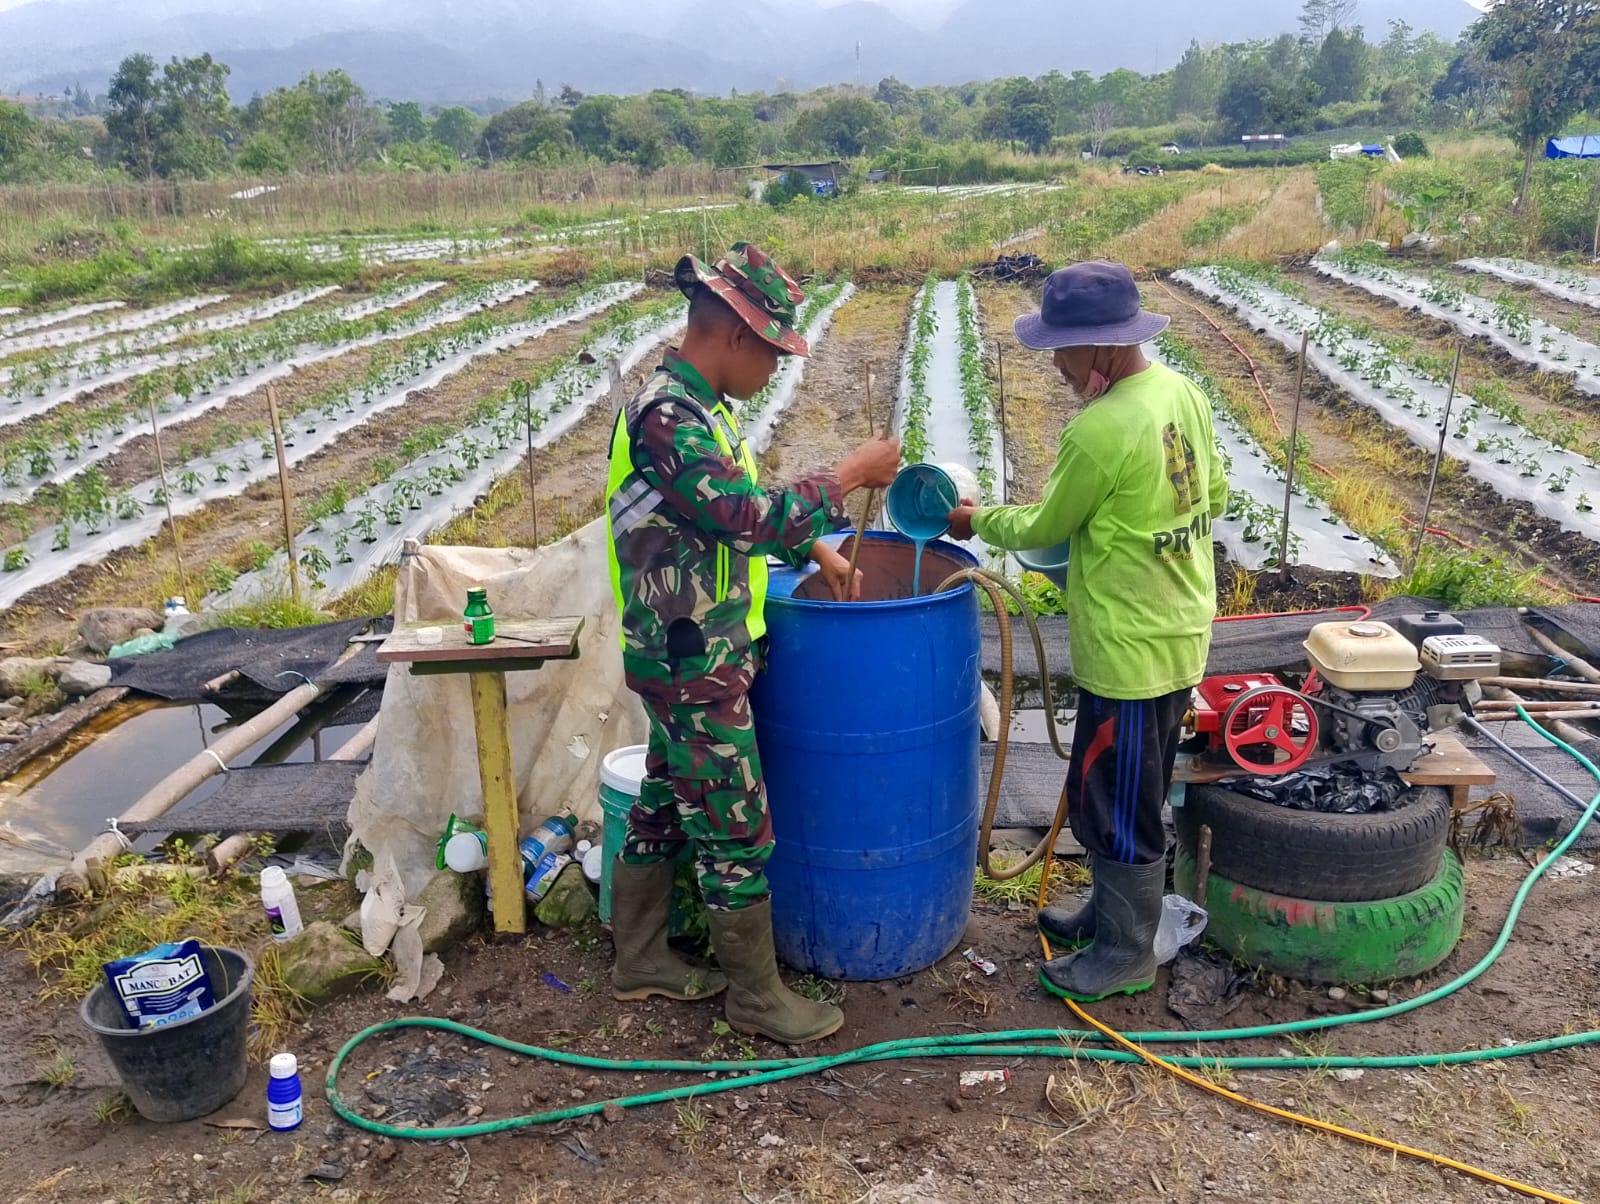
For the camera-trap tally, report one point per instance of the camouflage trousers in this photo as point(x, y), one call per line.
point(703, 785)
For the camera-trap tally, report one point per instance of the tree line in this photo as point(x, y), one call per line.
point(1528, 67)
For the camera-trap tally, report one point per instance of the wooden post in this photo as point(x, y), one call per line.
point(283, 492)
point(493, 729)
point(1438, 457)
point(166, 496)
point(1202, 871)
point(1288, 476)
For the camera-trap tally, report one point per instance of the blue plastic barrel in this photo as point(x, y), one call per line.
point(867, 722)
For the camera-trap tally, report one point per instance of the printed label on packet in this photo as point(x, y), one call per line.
point(167, 984)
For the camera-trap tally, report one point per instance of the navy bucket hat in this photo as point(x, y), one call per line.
point(1092, 304)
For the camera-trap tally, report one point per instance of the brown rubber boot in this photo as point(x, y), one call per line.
point(758, 1002)
point(641, 905)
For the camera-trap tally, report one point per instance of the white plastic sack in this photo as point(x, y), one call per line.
point(1182, 922)
point(565, 717)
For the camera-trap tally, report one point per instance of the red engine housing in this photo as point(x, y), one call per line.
point(1215, 695)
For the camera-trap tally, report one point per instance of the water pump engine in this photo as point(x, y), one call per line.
point(1373, 695)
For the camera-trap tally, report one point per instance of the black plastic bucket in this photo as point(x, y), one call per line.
point(189, 1068)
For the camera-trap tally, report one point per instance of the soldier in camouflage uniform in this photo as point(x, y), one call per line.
point(690, 533)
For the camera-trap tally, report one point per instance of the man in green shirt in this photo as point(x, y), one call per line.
point(1137, 481)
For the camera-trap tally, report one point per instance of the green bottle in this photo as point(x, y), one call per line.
point(478, 619)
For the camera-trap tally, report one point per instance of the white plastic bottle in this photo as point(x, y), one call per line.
point(277, 896)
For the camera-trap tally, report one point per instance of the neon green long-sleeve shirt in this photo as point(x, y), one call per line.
point(1137, 481)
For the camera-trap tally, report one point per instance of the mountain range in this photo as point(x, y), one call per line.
point(456, 51)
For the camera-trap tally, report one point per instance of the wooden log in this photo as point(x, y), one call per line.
point(59, 728)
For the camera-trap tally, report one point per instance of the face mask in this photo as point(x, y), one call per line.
point(1098, 384)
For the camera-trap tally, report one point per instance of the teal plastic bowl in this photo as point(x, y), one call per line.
point(1051, 561)
point(919, 501)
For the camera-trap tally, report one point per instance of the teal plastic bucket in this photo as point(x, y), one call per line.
point(620, 774)
point(919, 501)
point(1051, 561)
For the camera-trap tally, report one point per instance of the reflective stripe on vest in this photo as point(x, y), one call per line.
point(630, 499)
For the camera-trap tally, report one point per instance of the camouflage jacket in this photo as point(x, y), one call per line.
point(685, 522)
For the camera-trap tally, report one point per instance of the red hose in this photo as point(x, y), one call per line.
point(1254, 372)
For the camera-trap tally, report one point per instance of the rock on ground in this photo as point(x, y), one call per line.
point(106, 626)
point(323, 963)
point(84, 677)
point(454, 904)
point(570, 902)
point(18, 672)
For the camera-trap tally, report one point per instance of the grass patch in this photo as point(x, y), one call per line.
point(1217, 224)
point(1462, 580)
point(226, 261)
point(1024, 888)
point(54, 1065)
point(278, 611)
point(374, 596)
point(68, 947)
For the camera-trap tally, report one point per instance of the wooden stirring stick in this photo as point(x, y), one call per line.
point(866, 512)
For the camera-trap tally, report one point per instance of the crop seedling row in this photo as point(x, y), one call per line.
point(287, 343)
point(90, 521)
point(1562, 283)
point(1506, 321)
point(912, 419)
point(1559, 484)
point(345, 543)
point(1251, 527)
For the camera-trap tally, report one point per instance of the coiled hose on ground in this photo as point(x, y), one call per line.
point(1088, 1044)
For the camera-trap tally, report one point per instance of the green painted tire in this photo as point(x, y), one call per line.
point(1324, 942)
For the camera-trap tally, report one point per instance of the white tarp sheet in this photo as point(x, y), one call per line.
point(564, 718)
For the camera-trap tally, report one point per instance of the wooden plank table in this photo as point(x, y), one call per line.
point(1449, 763)
point(519, 644)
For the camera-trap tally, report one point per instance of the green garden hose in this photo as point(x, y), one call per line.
point(1018, 1043)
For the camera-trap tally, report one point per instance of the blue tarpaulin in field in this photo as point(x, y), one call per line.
point(1587, 147)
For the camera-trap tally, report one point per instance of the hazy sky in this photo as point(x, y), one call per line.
point(920, 11)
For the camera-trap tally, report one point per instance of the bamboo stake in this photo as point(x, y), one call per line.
point(1288, 476)
point(866, 511)
point(166, 496)
point(533, 480)
point(1005, 459)
point(1573, 661)
point(1438, 457)
point(1502, 714)
point(1543, 683)
point(283, 493)
point(1533, 706)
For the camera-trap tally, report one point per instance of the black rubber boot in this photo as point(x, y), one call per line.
point(758, 1002)
point(1068, 928)
point(1121, 959)
point(641, 906)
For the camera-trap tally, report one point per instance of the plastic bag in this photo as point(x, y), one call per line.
point(1182, 922)
point(144, 644)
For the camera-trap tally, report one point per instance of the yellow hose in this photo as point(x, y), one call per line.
point(1309, 1122)
point(993, 584)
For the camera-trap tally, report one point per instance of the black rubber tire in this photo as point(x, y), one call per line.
point(1312, 855)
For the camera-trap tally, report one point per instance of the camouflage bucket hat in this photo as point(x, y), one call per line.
point(756, 288)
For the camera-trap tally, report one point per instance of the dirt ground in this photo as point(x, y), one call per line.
point(1038, 404)
point(828, 417)
point(887, 1132)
